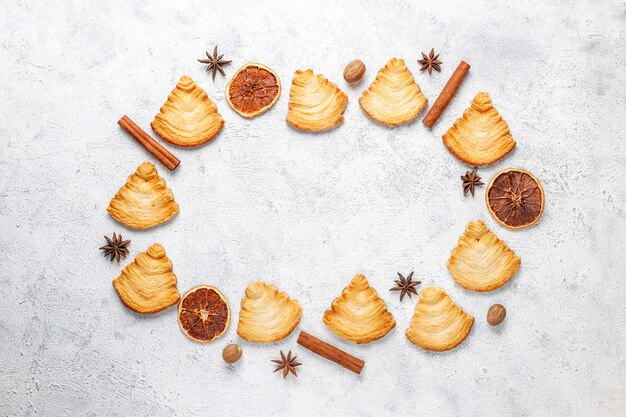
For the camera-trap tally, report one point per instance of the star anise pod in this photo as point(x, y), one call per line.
point(115, 248)
point(470, 181)
point(406, 285)
point(430, 62)
point(214, 62)
point(287, 364)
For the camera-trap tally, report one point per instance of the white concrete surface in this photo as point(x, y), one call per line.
point(308, 212)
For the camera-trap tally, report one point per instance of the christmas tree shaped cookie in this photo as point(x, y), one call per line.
point(148, 285)
point(438, 324)
point(359, 314)
point(481, 261)
point(188, 117)
point(144, 201)
point(315, 104)
point(480, 137)
point(394, 97)
point(267, 315)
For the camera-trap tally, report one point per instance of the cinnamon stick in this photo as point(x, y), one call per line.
point(151, 145)
point(446, 94)
point(330, 352)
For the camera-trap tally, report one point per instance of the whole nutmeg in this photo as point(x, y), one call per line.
point(232, 353)
point(496, 314)
point(354, 71)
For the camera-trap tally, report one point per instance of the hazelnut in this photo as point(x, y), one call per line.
point(354, 71)
point(496, 314)
point(232, 353)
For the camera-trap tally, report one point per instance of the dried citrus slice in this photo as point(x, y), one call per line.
point(253, 90)
point(204, 314)
point(515, 198)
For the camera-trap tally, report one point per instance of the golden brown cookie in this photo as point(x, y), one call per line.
point(359, 314)
point(481, 261)
point(315, 104)
point(144, 201)
point(188, 117)
point(148, 285)
point(480, 137)
point(267, 315)
point(438, 324)
point(394, 97)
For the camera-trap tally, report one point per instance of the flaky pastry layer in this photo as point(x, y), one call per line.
point(315, 104)
point(438, 324)
point(480, 137)
point(359, 314)
point(267, 315)
point(148, 285)
point(188, 117)
point(394, 97)
point(481, 261)
point(144, 201)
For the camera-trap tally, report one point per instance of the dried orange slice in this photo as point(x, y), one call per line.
point(515, 198)
point(253, 90)
point(204, 314)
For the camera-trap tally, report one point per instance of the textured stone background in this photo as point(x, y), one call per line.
point(308, 212)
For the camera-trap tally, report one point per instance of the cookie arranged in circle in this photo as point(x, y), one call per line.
point(144, 201)
point(148, 285)
point(481, 261)
point(359, 314)
point(394, 97)
point(480, 137)
point(438, 324)
point(188, 117)
point(267, 315)
point(315, 104)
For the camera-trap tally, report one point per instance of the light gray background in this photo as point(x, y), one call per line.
point(307, 212)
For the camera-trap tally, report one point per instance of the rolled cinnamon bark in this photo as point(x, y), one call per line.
point(446, 94)
point(330, 352)
point(151, 145)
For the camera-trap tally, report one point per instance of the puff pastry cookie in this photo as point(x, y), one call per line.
point(359, 314)
point(481, 261)
point(148, 285)
point(438, 324)
point(315, 104)
point(144, 201)
point(480, 137)
point(267, 315)
point(188, 117)
point(394, 97)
